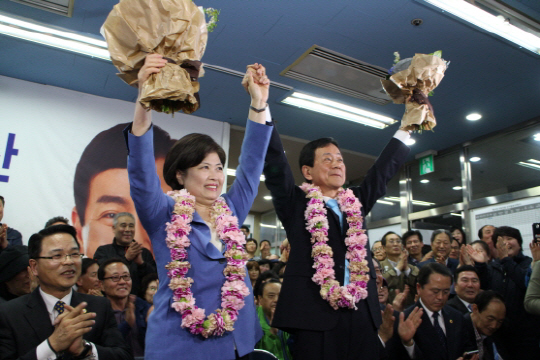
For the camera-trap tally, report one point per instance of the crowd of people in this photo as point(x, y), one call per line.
point(206, 289)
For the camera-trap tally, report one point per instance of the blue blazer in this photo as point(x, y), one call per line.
point(165, 338)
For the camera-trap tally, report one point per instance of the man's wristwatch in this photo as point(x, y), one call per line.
point(87, 351)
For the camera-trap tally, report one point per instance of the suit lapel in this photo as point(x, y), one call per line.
point(38, 316)
point(450, 325)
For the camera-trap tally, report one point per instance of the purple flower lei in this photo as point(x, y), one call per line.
point(234, 289)
point(317, 225)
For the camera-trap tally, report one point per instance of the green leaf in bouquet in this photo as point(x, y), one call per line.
point(213, 14)
point(437, 53)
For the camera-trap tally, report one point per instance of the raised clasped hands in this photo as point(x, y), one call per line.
point(257, 85)
point(134, 253)
point(476, 255)
point(70, 327)
point(3, 236)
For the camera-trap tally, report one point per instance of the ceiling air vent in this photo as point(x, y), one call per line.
point(60, 7)
point(337, 72)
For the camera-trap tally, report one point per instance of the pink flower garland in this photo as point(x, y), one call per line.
point(233, 291)
point(317, 224)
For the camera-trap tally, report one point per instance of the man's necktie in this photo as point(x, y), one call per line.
point(439, 331)
point(59, 306)
point(332, 204)
point(469, 307)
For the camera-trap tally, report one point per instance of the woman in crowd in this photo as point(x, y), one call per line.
point(149, 286)
point(460, 236)
point(251, 249)
point(195, 234)
point(253, 271)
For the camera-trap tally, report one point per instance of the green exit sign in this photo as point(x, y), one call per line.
point(427, 165)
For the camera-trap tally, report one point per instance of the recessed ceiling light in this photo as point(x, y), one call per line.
point(473, 117)
point(385, 202)
point(410, 141)
point(457, 188)
point(537, 137)
point(424, 181)
point(475, 159)
point(267, 197)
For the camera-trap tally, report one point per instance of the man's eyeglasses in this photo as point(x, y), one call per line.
point(116, 278)
point(59, 257)
point(393, 242)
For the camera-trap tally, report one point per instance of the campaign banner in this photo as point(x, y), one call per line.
point(62, 153)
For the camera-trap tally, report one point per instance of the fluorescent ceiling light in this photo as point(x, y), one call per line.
point(385, 202)
point(267, 197)
point(475, 159)
point(332, 108)
point(457, 188)
point(424, 181)
point(415, 202)
point(410, 141)
point(529, 165)
point(473, 117)
point(534, 161)
point(489, 22)
point(269, 226)
point(455, 214)
point(232, 172)
point(537, 137)
point(44, 35)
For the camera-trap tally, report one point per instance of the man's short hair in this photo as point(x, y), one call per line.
point(252, 240)
point(483, 299)
point(244, 227)
point(36, 240)
point(119, 215)
point(114, 260)
point(481, 230)
point(106, 151)
point(383, 239)
point(264, 262)
point(441, 231)
point(508, 231)
point(463, 268)
point(268, 241)
point(433, 268)
point(55, 220)
point(2, 200)
point(269, 274)
point(307, 154)
point(410, 233)
point(86, 263)
point(378, 241)
point(482, 244)
point(269, 281)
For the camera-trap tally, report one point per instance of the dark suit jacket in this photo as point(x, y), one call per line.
point(458, 305)
point(25, 323)
point(487, 343)
point(106, 252)
point(427, 344)
point(300, 305)
point(451, 265)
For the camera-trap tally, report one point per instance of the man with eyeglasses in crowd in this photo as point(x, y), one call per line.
point(54, 321)
point(130, 311)
point(138, 259)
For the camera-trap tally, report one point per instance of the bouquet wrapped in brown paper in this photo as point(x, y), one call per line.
point(411, 81)
point(175, 29)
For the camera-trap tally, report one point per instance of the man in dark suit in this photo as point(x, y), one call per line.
point(139, 259)
point(320, 331)
point(54, 321)
point(442, 335)
point(486, 318)
point(467, 287)
point(441, 241)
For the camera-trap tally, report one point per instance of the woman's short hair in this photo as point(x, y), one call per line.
point(188, 152)
point(252, 264)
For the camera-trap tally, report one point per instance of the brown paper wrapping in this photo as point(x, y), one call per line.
point(411, 87)
point(175, 29)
